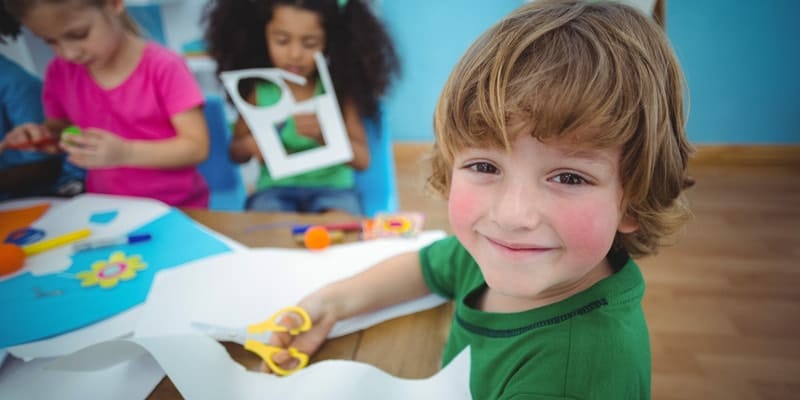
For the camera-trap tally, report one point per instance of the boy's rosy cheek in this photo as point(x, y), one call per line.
point(592, 228)
point(462, 204)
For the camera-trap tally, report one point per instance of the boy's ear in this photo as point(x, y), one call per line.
point(627, 224)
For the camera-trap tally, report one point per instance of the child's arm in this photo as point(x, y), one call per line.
point(243, 145)
point(358, 136)
point(390, 282)
point(99, 148)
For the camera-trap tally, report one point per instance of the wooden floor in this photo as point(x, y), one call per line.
point(723, 303)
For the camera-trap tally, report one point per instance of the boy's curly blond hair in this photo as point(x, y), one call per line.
point(598, 74)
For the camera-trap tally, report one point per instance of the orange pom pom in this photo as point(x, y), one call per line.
point(317, 238)
point(12, 258)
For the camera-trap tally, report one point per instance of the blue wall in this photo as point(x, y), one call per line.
point(742, 63)
point(430, 37)
point(741, 59)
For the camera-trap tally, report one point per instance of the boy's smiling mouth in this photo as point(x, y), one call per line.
point(517, 249)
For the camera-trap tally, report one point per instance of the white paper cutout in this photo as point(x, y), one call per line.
point(114, 327)
point(262, 120)
point(132, 380)
point(237, 289)
point(201, 369)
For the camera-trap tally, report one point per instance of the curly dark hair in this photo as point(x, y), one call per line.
point(362, 58)
point(9, 26)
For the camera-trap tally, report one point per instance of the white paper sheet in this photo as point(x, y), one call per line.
point(130, 380)
point(241, 288)
point(201, 369)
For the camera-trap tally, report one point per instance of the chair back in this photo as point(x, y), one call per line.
point(222, 175)
point(377, 185)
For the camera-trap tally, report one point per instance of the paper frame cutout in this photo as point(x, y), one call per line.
point(262, 120)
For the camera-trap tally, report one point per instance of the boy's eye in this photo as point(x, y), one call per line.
point(483, 167)
point(568, 178)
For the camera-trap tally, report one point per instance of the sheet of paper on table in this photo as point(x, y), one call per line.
point(219, 377)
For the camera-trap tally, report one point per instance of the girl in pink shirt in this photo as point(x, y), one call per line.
point(136, 103)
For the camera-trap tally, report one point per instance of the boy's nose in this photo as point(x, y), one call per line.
point(518, 207)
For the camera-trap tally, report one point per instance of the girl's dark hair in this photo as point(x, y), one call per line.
point(362, 58)
point(9, 26)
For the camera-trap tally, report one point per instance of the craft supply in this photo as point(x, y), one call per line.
point(109, 242)
point(57, 241)
point(318, 237)
point(265, 351)
point(12, 258)
point(34, 145)
point(407, 224)
point(354, 226)
point(71, 130)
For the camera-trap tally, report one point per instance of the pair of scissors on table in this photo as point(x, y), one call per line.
point(265, 351)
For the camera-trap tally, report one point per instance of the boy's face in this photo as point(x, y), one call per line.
point(293, 36)
point(540, 219)
point(89, 36)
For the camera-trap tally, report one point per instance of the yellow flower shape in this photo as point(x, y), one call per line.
point(109, 273)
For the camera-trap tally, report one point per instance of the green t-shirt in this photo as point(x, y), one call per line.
point(339, 176)
point(593, 345)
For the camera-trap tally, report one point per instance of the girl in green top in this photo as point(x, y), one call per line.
point(286, 34)
point(561, 148)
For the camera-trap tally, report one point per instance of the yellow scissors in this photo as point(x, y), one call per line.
point(265, 351)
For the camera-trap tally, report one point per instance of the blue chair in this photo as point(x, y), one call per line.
point(222, 175)
point(377, 185)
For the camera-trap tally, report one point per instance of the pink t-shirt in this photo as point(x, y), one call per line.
point(139, 108)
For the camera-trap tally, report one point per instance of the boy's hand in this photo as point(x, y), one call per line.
point(33, 137)
point(96, 148)
point(322, 321)
point(308, 126)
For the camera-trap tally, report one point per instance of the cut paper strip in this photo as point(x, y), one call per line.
point(131, 380)
point(50, 304)
point(237, 289)
point(219, 377)
point(114, 327)
point(263, 120)
point(14, 219)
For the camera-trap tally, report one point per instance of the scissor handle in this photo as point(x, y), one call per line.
point(272, 324)
point(266, 352)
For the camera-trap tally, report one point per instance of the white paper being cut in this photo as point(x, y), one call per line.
point(262, 120)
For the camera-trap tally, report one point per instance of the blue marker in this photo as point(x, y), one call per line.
point(118, 241)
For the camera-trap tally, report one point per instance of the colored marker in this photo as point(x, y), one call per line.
point(355, 226)
point(48, 244)
point(116, 241)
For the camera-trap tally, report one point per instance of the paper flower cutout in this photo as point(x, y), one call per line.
point(108, 273)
